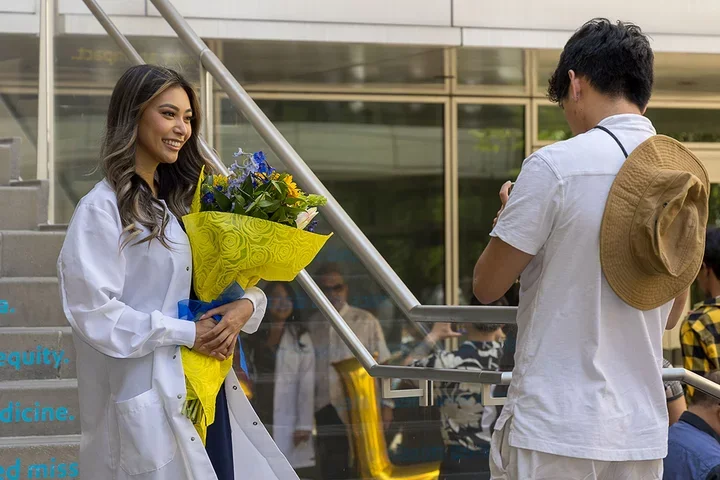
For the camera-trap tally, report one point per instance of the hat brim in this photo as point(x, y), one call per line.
point(628, 281)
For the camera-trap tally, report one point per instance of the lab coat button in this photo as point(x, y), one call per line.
point(254, 423)
point(187, 269)
point(179, 397)
point(234, 387)
point(192, 439)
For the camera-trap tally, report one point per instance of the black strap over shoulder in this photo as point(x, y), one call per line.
point(600, 127)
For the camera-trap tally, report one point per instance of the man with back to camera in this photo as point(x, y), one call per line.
point(607, 246)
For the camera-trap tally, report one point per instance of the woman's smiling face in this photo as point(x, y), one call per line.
point(165, 126)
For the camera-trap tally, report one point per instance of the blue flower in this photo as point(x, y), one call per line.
point(208, 198)
point(311, 226)
point(219, 188)
point(261, 162)
point(234, 184)
point(239, 153)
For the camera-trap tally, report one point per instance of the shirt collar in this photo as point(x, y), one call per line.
point(628, 120)
point(710, 302)
point(697, 422)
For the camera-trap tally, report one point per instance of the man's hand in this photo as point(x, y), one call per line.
point(301, 436)
point(441, 331)
point(220, 341)
point(504, 195)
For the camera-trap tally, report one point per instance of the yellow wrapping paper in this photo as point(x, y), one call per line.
point(227, 248)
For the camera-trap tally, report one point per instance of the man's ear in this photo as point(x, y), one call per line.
point(575, 88)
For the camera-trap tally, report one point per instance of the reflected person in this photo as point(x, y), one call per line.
point(281, 357)
point(333, 446)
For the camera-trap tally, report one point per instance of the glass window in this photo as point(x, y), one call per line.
point(686, 124)
point(382, 161)
point(19, 59)
point(503, 67)
point(552, 125)
point(491, 148)
point(686, 74)
point(79, 123)
point(545, 63)
point(305, 63)
point(96, 61)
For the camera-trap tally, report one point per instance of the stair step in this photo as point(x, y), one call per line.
point(46, 407)
point(34, 457)
point(29, 253)
point(25, 205)
point(36, 354)
point(31, 302)
point(53, 227)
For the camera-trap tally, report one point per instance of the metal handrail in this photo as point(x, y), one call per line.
point(498, 314)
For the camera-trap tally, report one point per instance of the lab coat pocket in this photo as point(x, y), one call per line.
point(146, 439)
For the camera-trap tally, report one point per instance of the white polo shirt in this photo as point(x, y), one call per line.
point(588, 367)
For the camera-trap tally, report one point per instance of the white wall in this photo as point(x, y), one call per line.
point(685, 26)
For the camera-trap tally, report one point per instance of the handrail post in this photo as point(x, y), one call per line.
point(207, 106)
point(46, 103)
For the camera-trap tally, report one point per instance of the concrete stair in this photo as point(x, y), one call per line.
point(39, 412)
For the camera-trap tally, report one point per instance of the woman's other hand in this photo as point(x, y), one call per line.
point(301, 436)
point(220, 341)
point(201, 328)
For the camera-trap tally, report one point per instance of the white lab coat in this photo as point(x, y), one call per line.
point(122, 306)
point(294, 397)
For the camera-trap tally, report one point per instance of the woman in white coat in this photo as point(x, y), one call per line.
point(124, 266)
point(282, 358)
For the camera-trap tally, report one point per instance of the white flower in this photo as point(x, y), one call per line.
point(304, 218)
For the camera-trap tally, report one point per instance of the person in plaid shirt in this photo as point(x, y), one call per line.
point(700, 332)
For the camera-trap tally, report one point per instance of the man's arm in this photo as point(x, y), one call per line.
point(677, 310)
point(497, 269)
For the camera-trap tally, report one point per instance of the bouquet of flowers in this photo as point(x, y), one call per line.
point(252, 224)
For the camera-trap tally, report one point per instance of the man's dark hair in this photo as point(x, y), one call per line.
point(712, 250)
point(488, 327)
point(616, 59)
point(702, 399)
point(329, 268)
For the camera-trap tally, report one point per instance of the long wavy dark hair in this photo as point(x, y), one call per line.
point(138, 86)
point(295, 322)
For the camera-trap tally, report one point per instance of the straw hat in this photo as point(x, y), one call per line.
point(652, 237)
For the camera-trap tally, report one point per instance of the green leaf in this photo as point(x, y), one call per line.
point(222, 201)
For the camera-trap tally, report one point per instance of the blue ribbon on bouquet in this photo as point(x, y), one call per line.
point(192, 310)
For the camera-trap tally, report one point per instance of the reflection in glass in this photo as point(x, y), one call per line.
point(552, 125)
point(491, 66)
point(79, 123)
point(383, 162)
point(686, 74)
point(19, 60)
point(303, 63)
point(546, 63)
point(685, 124)
point(491, 148)
point(98, 62)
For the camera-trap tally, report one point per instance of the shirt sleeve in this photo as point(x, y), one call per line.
point(379, 343)
point(306, 392)
point(259, 300)
point(91, 271)
point(533, 207)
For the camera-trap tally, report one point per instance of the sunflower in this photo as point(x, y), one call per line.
point(293, 190)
